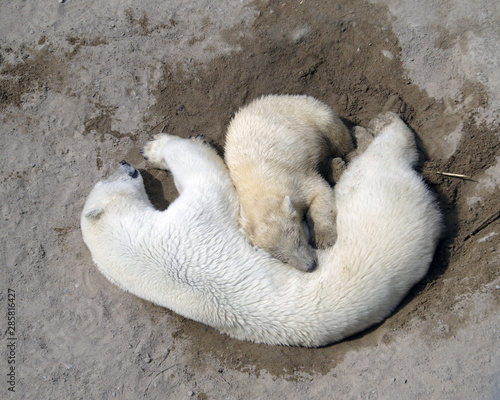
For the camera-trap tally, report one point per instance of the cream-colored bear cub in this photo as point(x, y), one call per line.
point(273, 148)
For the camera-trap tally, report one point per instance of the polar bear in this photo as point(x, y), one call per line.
point(194, 259)
point(273, 148)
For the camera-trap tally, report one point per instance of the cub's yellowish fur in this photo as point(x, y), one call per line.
point(273, 148)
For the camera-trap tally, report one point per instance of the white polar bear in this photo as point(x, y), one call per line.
point(273, 148)
point(193, 259)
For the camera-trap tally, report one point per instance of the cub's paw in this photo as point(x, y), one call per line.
point(323, 232)
point(363, 138)
point(153, 150)
point(338, 166)
point(324, 237)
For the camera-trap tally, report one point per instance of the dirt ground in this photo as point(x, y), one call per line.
point(83, 84)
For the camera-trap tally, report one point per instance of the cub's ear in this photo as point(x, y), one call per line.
point(288, 207)
point(93, 213)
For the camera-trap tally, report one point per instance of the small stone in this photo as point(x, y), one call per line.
point(388, 54)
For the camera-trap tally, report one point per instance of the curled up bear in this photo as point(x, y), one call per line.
point(194, 259)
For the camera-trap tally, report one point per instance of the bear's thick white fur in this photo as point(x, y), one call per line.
point(193, 259)
point(273, 148)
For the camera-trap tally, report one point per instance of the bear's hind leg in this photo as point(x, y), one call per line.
point(399, 140)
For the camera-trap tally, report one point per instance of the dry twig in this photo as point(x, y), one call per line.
point(460, 176)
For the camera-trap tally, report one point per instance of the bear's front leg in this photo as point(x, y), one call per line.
point(153, 151)
point(322, 216)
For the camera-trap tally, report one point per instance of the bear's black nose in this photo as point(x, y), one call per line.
point(131, 171)
point(312, 267)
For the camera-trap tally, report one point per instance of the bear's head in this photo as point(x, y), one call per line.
point(121, 190)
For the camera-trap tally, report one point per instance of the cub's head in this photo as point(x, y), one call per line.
point(279, 230)
point(118, 192)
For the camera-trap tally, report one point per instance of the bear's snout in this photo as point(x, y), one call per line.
point(131, 171)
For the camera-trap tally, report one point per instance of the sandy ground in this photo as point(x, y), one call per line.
point(83, 84)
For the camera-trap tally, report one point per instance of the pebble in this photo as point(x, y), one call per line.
point(388, 54)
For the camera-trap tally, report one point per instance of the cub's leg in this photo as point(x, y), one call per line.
point(322, 214)
point(363, 137)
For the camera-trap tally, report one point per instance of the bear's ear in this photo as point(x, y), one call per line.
point(288, 207)
point(94, 212)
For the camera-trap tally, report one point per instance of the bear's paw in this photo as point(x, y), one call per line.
point(153, 150)
point(380, 122)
